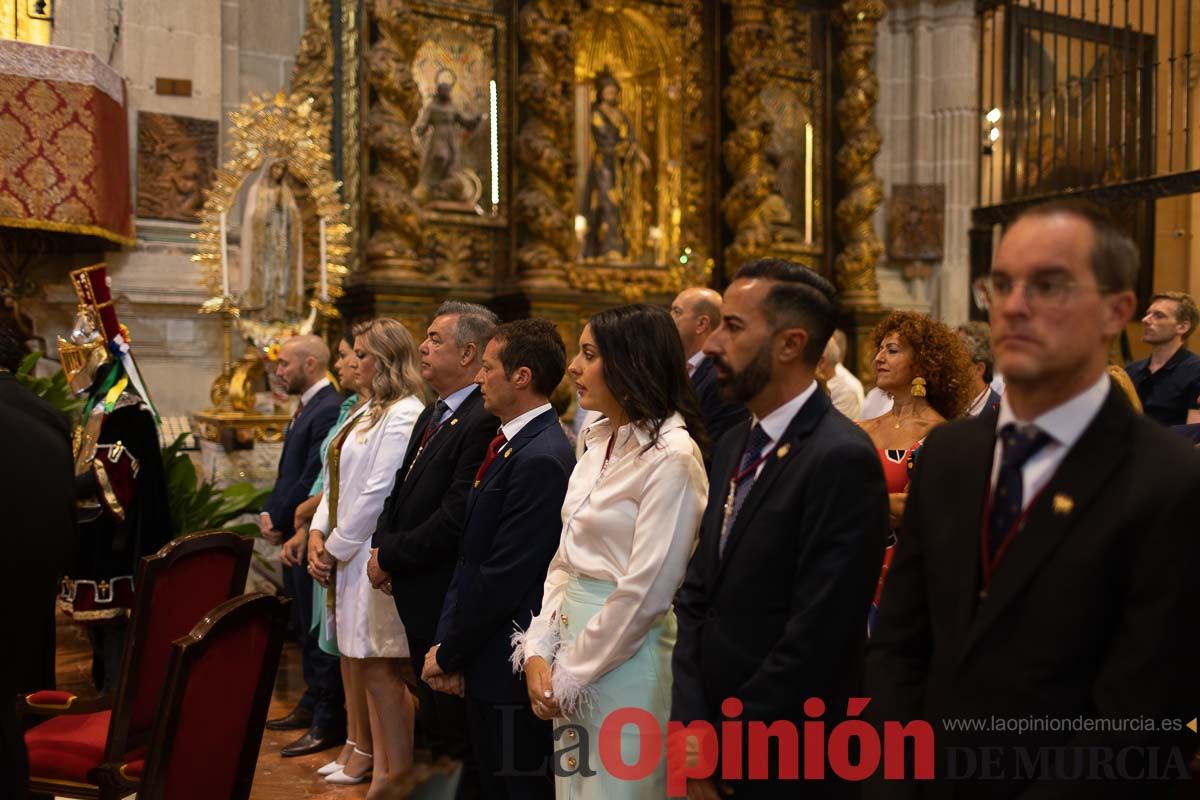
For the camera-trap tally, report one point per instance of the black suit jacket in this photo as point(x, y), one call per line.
point(782, 616)
point(1090, 613)
point(514, 518)
point(300, 462)
point(421, 526)
point(719, 415)
point(37, 493)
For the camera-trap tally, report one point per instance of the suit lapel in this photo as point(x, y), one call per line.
point(445, 433)
point(526, 435)
point(1055, 512)
point(785, 450)
point(724, 465)
point(962, 551)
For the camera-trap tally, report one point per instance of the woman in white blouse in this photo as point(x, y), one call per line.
point(604, 635)
point(359, 472)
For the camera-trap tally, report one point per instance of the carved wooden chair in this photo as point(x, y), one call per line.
point(175, 588)
point(206, 737)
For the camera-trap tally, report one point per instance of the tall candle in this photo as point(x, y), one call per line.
point(324, 266)
point(808, 183)
point(224, 259)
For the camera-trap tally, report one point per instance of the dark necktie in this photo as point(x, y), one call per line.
point(494, 449)
point(296, 416)
point(1018, 445)
point(435, 421)
point(743, 480)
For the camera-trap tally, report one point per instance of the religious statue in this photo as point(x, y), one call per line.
point(272, 255)
point(612, 190)
point(441, 125)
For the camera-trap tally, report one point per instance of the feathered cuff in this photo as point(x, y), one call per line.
point(527, 643)
point(572, 694)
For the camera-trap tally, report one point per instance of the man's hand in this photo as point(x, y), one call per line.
point(294, 548)
point(267, 529)
point(448, 684)
point(540, 687)
point(375, 574)
point(431, 669)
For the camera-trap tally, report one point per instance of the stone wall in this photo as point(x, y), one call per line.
point(928, 71)
point(228, 50)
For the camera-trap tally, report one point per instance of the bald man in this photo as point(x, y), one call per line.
point(301, 368)
point(697, 313)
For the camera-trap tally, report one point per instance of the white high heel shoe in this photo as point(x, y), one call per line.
point(335, 765)
point(342, 779)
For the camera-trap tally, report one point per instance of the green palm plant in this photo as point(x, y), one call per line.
point(198, 505)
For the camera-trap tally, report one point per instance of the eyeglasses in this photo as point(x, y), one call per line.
point(1040, 292)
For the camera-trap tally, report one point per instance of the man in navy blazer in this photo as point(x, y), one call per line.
point(697, 313)
point(773, 610)
point(302, 363)
point(512, 531)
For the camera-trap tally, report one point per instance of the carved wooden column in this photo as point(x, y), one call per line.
point(545, 201)
point(755, 181)
point(862, 193)
point(393, 245)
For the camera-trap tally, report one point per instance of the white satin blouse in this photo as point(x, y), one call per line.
point(632, 523)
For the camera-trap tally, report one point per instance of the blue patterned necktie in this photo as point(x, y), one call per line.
point(1017, 447)
point(742, 482)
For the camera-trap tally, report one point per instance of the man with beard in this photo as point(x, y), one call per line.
point(1168, 381)
point(797, 509)
point(301, 368)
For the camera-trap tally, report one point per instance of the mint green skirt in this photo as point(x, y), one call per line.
point(321, 617)
point(644, 681)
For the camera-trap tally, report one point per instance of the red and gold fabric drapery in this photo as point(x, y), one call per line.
point(64, 143)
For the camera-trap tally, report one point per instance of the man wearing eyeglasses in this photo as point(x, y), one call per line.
point(1046, 571)
point(1168, 381)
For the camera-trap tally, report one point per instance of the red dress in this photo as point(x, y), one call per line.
point(897, 465)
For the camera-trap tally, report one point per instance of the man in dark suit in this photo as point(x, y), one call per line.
point(301, 368)
point(1046, 568)
point(418, 537)
point(697, 313)
point(37, 492)
point(512, 531)
point(773, 610)
point(977, 336)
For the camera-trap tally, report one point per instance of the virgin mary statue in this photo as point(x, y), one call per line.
point(272, 256)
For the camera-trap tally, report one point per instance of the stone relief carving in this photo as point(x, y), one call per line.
point(176, 160)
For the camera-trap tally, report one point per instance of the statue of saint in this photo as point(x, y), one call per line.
point(441, 125)
point(272, 256)
point(612, 189)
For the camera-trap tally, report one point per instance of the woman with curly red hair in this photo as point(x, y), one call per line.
point(925, 367)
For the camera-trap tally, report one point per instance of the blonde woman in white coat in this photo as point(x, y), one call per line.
point(359, 473)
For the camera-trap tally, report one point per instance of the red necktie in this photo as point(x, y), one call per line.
point(493, 450)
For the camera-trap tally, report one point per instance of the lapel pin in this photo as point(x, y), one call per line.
point(476, 484)
point(508, 452)
point(783, 451)
point(1063, 505)
point(453, 422)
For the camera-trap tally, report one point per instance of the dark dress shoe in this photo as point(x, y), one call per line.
point(299, 719)
point(314, 741)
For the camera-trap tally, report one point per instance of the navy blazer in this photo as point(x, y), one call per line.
point(514, 520)
point(300, 462)
point(421, 525)
point(719, 415)
point(782, 616)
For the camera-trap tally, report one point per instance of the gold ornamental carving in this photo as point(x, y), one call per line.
point(753, 206)
point(854, 267)
point(312, 75)
point(544, 200)
point(394, 244)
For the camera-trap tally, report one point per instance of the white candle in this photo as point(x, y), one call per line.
point(494, 142)
point(324, 267)
point(224, 259)
point(808, 183)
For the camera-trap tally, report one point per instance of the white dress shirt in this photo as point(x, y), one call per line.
point(843, 397)
point(1064, 424)
point(366, 621)
point(455, 400)
point(776, 423)
point(979, 403)
point(632, 523)
point(511, 428)
point(849, 380)
point(876, 403)
point(693, 363)
point(311, 391)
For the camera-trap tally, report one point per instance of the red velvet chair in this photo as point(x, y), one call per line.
point(210, 722)
point(175, 588)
